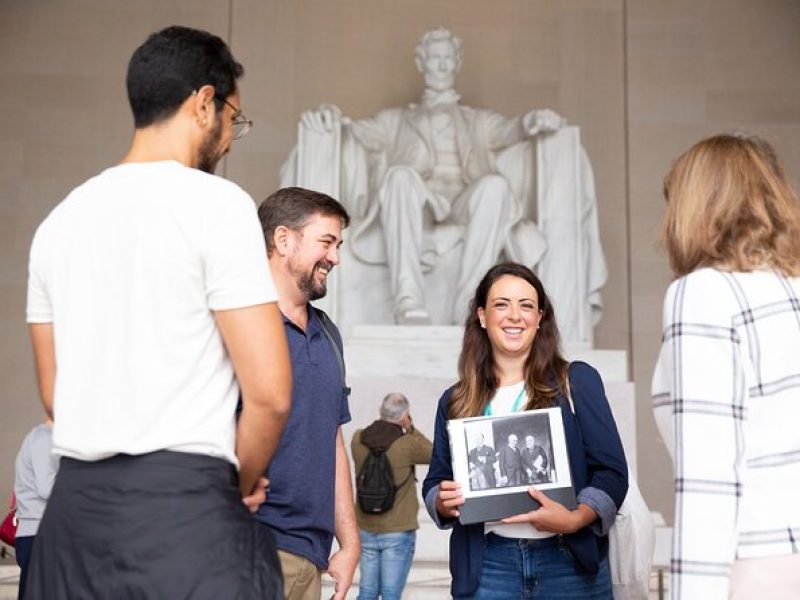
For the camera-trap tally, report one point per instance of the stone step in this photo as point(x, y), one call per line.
point(432, 352)
point(428, 580)
point(9, 581)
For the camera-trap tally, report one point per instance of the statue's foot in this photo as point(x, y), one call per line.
point(412, 315)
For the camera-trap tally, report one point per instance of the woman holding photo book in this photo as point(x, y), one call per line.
point(510, 361)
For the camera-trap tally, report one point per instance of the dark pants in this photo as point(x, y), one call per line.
point(23, 547)
point(165, 525)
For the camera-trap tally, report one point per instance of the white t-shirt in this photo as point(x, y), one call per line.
point(503, 404)
point(129, 268)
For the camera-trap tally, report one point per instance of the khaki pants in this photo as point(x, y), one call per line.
point(302, 580)
point(771, 578)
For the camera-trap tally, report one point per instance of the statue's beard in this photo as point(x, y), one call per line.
point(432, 97)
point(308, 284)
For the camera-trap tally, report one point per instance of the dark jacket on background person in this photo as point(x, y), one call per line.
point(405, 451)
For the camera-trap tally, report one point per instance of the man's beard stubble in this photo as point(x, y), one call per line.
point(306, 282)
point(209, 154)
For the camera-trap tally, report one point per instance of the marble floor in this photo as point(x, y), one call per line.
point(431, 581)
point(427, 581)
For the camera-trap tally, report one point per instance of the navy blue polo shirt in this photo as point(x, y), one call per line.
point(302, 475)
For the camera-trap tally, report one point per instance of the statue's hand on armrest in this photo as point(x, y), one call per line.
point(542, 121)
point(324, 119)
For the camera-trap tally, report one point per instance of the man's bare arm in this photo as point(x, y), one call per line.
point(256, 343)
point(44, 354)
point(342, 565)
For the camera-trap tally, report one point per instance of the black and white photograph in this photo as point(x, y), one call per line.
point(507, 453)
point(498, 458)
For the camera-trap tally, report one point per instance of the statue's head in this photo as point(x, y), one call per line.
point(438, 58)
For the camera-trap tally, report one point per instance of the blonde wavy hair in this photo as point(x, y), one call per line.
point(730, 206)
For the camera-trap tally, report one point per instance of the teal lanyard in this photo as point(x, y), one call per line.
point(487, 412)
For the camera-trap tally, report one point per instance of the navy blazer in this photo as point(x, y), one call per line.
point(596, 460)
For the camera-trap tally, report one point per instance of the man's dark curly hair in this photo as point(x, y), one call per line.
point(172, 64)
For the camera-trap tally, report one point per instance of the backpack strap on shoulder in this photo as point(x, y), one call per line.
point(329, 329)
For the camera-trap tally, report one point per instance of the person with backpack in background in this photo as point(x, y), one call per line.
point(310, 496)
point(384, 455)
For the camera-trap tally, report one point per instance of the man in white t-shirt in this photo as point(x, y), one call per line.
point(148, 298)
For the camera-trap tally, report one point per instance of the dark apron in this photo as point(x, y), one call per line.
point(165, 525)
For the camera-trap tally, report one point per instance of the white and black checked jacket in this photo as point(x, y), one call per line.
point(726, 395)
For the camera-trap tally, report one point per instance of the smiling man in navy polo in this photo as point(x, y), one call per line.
point(310, 498)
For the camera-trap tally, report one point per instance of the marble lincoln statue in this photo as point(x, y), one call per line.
point(438, 176)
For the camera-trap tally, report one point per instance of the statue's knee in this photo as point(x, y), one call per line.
point(401, 176)
point(494, 184)
point(402, 185)
point(492, 195)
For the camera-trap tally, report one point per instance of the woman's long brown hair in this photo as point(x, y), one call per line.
point(545, 369)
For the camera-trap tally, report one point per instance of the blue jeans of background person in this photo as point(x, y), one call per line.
point(385, 562)
point(23, 547)
point(542, 569)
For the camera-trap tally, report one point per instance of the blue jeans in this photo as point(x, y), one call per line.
point(385, 562)
point(539, 569)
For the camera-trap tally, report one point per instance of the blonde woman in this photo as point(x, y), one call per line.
point(727, 385)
